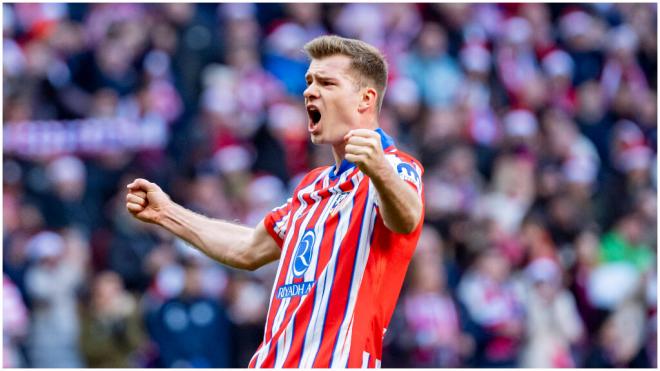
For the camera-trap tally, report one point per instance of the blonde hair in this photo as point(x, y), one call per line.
point(366, 60)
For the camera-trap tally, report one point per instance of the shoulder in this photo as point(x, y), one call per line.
point(397, 155)
point(311, 177)
point(406, 166)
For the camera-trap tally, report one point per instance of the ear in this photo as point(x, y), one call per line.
point(368, 99)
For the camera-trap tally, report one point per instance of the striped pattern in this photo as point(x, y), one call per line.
point(356, 265)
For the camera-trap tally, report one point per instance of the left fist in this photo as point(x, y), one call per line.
point(364, 149)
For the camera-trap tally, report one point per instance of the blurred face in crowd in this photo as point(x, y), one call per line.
point(561, 132)
point(647, 205)
point(113, 58)
point(193, 283)
point(647, 109)
point(427, 270)
point(591, 103)
point(624, 101)
point(428, 275)
point(461, 162)
point(333, 99)
point(104, 103)
point(179, 13)
point(549, 181)
point(547, 290)
point(494, 265)
point(50, 262)
point(538, 15)
point(632, 228)
point(534, 94)
point(107, 287)
point(432, 40)
point(586, 247)
point(304, 13)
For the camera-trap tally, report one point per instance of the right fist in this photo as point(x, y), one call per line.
point(146, 201)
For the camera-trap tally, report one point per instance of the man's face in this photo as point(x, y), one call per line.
point(332, 98)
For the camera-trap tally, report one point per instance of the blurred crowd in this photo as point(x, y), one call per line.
point(536, 125)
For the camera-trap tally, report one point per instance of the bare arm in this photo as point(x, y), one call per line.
point(400, 205)
point(228, 243)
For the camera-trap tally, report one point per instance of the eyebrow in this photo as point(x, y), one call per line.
point(308, 76)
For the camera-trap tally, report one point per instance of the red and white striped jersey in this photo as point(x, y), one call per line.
point(340, 271)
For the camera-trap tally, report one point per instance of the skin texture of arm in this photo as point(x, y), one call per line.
point(228, 243)
point(400, 205)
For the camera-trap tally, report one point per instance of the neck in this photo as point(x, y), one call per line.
point(338, 152)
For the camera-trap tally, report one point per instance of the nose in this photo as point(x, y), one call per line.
point(311, 92)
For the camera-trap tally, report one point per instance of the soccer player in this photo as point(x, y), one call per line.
point(345, 238)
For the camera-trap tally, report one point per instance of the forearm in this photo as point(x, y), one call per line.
point(225, 242)
point(400, 205)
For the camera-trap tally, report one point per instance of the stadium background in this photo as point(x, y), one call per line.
point(536, 125)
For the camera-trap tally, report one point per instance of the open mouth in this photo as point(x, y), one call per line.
point(314, 114)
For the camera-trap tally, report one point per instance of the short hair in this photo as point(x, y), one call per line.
point(366, 60)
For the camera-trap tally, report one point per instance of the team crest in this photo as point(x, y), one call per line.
point(339, 202)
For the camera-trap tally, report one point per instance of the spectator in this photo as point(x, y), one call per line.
point(191, 330)
point(624, 244)
point(52, 284)
point(14, 325)
point(513, 186)
point(429, 66)
point(454, 185)
point(247, 312)
point(586, 247)
point(111, 330)
point(620, 339)
point(432, 330)
point(70, 204)
point(554, 325)
point(494, 303)
point(283, 57)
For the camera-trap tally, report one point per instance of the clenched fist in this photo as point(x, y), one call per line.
point(146, 201)
point(364, 149)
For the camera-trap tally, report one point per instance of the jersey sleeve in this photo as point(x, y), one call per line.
point(277, 220)
point(409, 170)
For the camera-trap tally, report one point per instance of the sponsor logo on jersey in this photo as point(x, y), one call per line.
point(294, 289)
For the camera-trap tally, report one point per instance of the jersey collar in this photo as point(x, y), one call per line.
point(386, 141)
